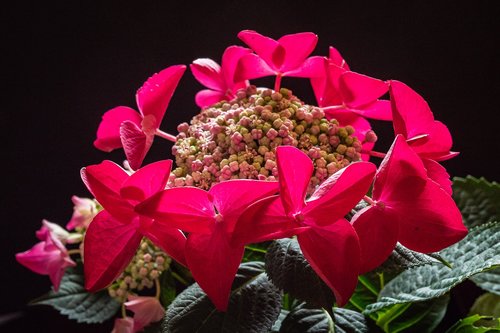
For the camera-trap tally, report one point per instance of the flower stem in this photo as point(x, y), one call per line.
point(74, 251)
point(180, 279)
point(124, 311)
point(165, 135)
point(277, 83)
point(369, 200)
point(158, 288)
point(373, 153)
point(333, 107)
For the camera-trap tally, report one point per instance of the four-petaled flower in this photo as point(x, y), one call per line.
point(209, 217)
point(146, 310)
point(116, 232)
point(407, 207)
point(124, 127)
point(327, 239)
point(219, 79)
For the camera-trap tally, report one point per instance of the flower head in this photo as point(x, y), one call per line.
point(84, 211)
point(146, 310)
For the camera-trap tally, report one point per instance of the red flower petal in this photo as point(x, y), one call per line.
point(358, 89)
point(108, 133)
point(297, 48)
point(208, 73)
point(377, 230)
point(146, 181)
point(214, 263)
point(340, 192)
point(187, 208)
point(262, 45)
point(336, 58)
point(104, 181)
point(334, 254)
point(109, 247)
point(136, 143)
point(295, 169)
point(229, 63)
point(170, 240)
point(311, 67)
point(208, 97)
point(438, 173)
point(380, 110)
point(155, 94)
point(251, 66)
point(233, 196)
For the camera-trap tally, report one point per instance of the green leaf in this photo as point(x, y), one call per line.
point(75, 302)
point(478, 200)
point(477, 252)
point(289, 270)
point(402, 258)
point(168, 290)
point(489, 281)
point(277, 324)
point(487, 304)
point(255, 252)
point(254, 306)
point(306, 320)
point(471, 325)
point(348, 321)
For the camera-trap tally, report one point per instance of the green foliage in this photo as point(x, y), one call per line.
point(254, 306)
point(255, 252)
point(475, 324)
point(489, 281)
point(487, 304)
point(75, 302)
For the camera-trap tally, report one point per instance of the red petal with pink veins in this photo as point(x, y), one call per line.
point(233, 196)
point(334, 254)
point(295, 169)
point(297, 48)
point(146, 181)
point(109, 247)
point(438, 173)
point(209, 97)
point(339, 193)
point(170, 240)
point(186, 208)
point(262, 45)
point(377, 229)
point(208, 73)
point(155, 94)
point(264, 220)
point(104, 181)
point(229, 63)
point(108, 133)
point(358, 89)
point(251, 66)
point(214, 263)
point(136, 143)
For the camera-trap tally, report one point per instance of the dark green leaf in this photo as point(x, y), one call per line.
point(402, 258)
point(487, 304)
point(75, 302)
point(477, 252)
point(472, 325)
point(489, 281)
point(277, 324)
point(289, 270)
point(254, 306)
point(478, 200)
point(255, 252)
point(348, 321)
point(168, 290)
point(306, 320)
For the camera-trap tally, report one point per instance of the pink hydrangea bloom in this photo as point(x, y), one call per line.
point(48, 257)
point(146, 310)
point(84, 211)
point(123, 325)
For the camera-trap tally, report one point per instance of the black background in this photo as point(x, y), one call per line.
point(67, 63)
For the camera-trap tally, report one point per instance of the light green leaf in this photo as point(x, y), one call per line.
point(254, 306)
point(75, 302)
point(477, 252)
point(472, 325)
point(478, 200)
point(489, 281)
point(487, 304)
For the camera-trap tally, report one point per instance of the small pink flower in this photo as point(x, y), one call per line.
point(123, 325)
point(58, 232)
point(84, 211)
point(219, 79)
point(48, 257)
point(146, 310)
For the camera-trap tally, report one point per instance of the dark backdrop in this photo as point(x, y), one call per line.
point(69, 63)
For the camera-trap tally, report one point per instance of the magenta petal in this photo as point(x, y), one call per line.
point(229, 63)
point(358, 89)
point(297, 48)
point(170, 240)
point(311, 67)
point(438, 173)
point(146, 310)
point(209, 97)
point(251, 66)
point(340, 192)
point(434, 222)
point(438, 144)
point(135, 142)
point(146, 181)
point(155, 94)
point(233, 196)
point(262, 45)
point(109, 247)
point(214, 263)
point(377, 230)
point(186, 208)
point(104, 181)
point(123, 325)
point(108, 133)
point(380, 110)
point(264, 220)
point(208, 73)
point(295, 169)
point(334, 254)
point(336, 58)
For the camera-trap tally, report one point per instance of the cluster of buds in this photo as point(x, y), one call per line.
point(238, 139)
point(146, 266)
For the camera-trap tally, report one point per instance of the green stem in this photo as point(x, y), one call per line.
point(255, 249)
point(179, 278)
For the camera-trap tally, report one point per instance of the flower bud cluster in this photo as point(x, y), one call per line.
point(146, 266)
point(237, 139)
